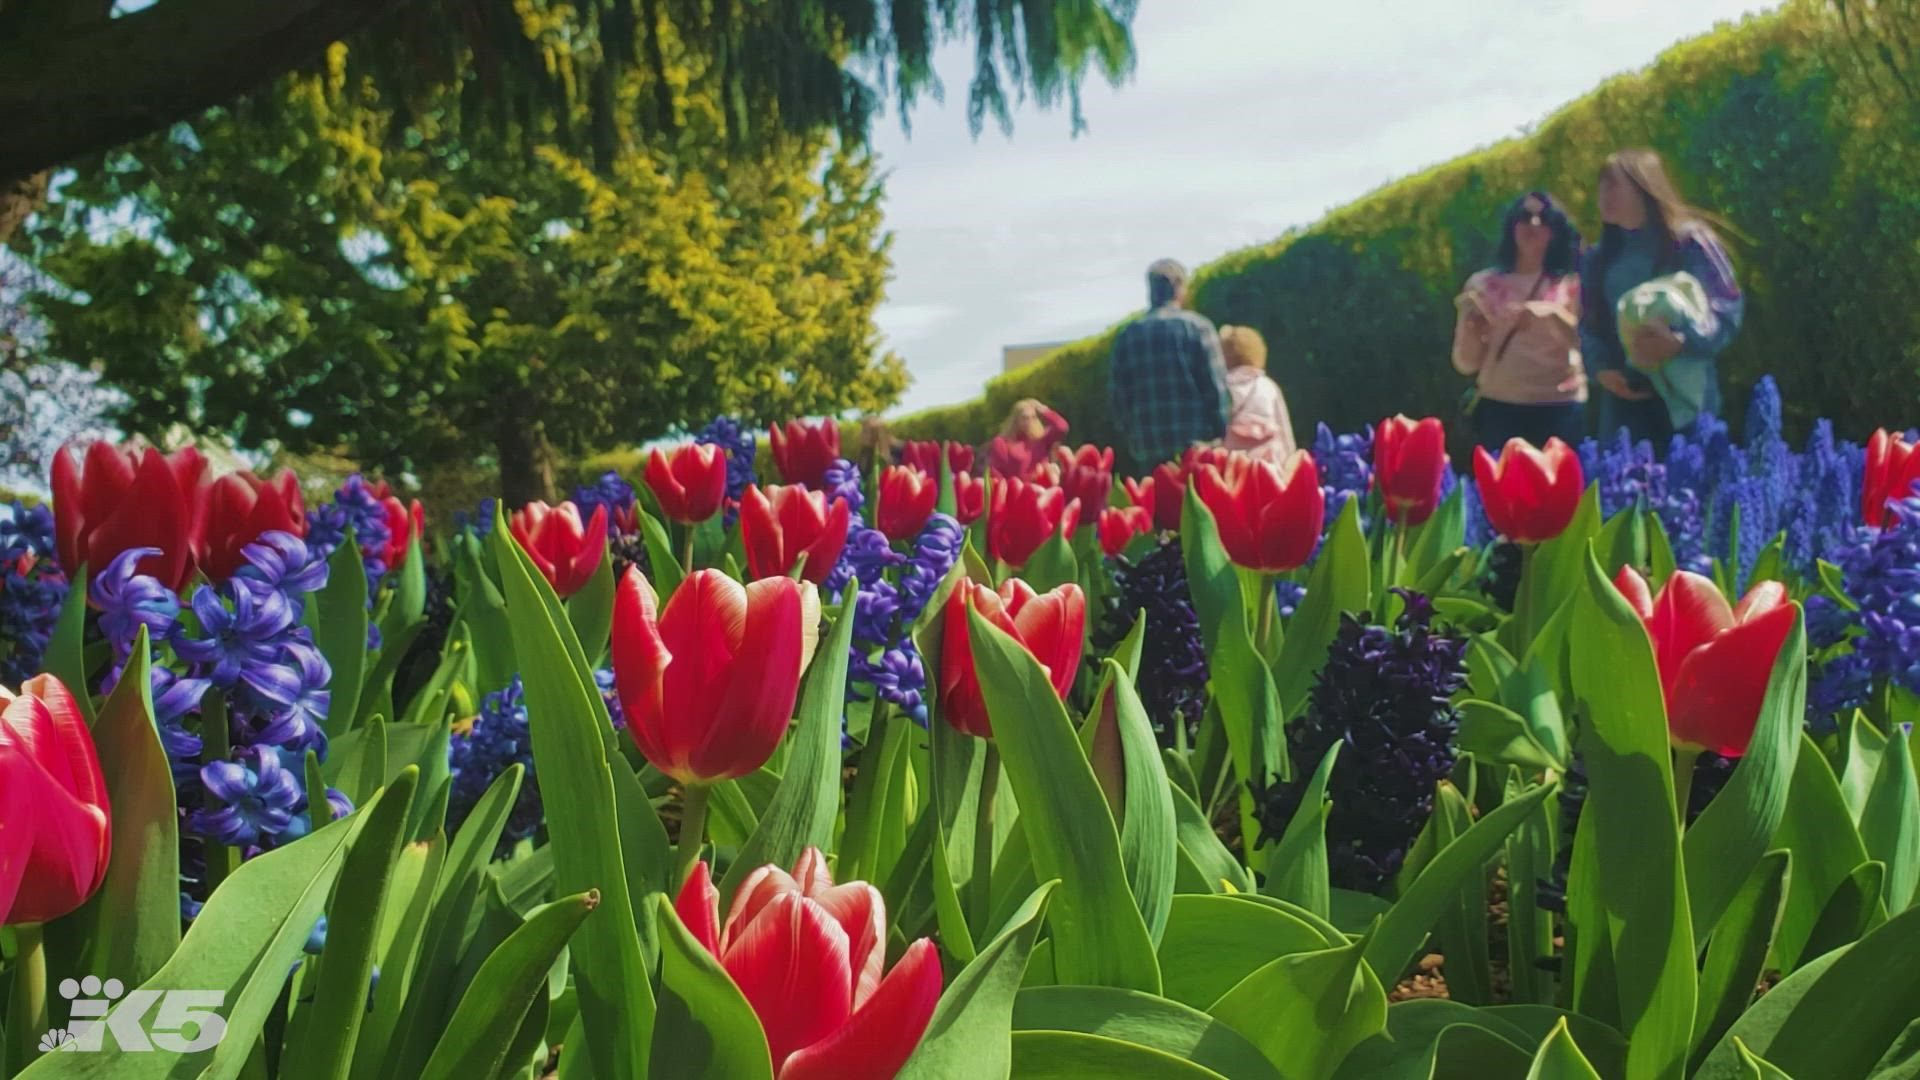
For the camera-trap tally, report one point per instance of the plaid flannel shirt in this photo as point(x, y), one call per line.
point(1167, 384)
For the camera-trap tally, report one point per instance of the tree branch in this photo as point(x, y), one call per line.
point(65, 93)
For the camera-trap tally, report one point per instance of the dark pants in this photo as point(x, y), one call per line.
point(1494, 422)
point(1648, 419)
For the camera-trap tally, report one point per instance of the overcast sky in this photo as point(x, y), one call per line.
point(1243, 117)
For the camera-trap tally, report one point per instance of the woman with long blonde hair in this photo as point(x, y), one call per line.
point(1026, 438)
point(1663, 373)
point(1258, 423)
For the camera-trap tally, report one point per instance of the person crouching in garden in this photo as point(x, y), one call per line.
point(1031, 432)
point(1660, 264)
point(1517, 332)
point(1258, 423)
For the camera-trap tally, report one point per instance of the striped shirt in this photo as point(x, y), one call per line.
point(1167, 384)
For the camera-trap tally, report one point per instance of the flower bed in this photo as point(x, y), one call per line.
point(925, 774)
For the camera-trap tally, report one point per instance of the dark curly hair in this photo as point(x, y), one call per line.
point(1563, 253)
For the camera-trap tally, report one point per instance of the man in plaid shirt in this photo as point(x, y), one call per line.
point(1167, 382)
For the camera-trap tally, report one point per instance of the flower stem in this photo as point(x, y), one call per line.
point(980, 886)
point(688, 562)
point(27, 1017)
point(1683, 761)
point(1269, 607)
point(693, 829)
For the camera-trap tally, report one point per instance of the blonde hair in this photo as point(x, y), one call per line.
point(1023, 420)
point(1243, 347)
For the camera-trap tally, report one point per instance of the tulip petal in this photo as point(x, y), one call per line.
point(761, 535)
point(640, 662)
point(53, 845)
point(880, 1037)
point(861, 911)
point(1721, 685)
point(757, 691)
point(1688, 613)
point(790, 963)
point(1762, 598)
point(1636, 591)
point(698, 906)
point(1052, 627)
point(762, 887)
point(71, 742)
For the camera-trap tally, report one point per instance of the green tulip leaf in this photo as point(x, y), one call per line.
point(1835, 1017)
point(1462, 929)
point(1332, 994)
point(1126, 761)
point(480, 1039)
point(1201, 849)
point(129, 927)
point(591, 610)
point(1737, 951)
point(1213, 942)
point(1072, 1055)
point(1826, 847)
point(1099, 935)
point(706, 1027)
point(1409, 1046)
point(570, 734)
point(1143, 1020)
point(1392, 946)
point(1728, 838)
point(66, 655)
point(400, 957)
point(967, 1039)
point(1297, 865)
point(322, 1046)
point(1890, 823)
point(1853, 909)
point(1560, 1059)
point(339, 614)
point(1052, 565)
point(1627, 890)
point(1473, 1051)
point(239, 951)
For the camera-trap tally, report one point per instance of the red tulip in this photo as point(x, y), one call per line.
point(691, 484)
point(1086, 475)
point(925, 456)
point(969, 498)
point(1217, 456)
point(708, 685)
point(625, 520)
point(1714, 662)
point(120, 499)
point(907, 497)
point(566, 552)
point(1529, 494)
point(55, 822)
point(1409, 462)
point(781, 524)
point(404, 522)
point(1269, 516)
point(809, 956)
point(1049, 627)
point(240, 507)
point(804, 452)
point(1024, 517)
point(1120, 524)
point(1893, 469)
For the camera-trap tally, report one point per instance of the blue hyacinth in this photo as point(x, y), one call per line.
point(1346, 466)
point(740, 445)
point(609, 491)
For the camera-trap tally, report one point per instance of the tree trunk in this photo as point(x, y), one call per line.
point(18, 201)
point(526, 463)
point(68, 92)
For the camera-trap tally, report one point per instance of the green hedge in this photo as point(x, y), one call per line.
point(1766, 123)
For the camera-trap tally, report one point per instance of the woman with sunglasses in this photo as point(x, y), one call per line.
point(1517, 331)
point(1663, 374)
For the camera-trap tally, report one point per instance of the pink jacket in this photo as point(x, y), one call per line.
point(1258, 423)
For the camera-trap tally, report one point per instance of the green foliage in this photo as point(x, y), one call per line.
point(1779, 125)
point(285, 273)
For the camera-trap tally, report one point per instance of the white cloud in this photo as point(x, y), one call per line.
point(1244, 117)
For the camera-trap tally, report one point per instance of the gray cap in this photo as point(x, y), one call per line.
point(1168, 271)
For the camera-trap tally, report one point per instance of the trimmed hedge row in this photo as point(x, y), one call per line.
point(1769, 123)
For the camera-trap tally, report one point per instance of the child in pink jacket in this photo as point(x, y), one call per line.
point(1258, 424)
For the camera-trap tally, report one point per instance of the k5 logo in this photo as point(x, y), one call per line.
point(184, 1023)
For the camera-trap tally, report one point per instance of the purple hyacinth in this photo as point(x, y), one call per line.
point(1881, 573)
point(498, 738)
point(354, 506)
point(282, 562)
point(129, 600)
point(740, 445)
point(1346, 466)
point(32, 590)
point(842, 484)
point(1385, 695)
point(241, 635)
point(609, 491)
point(257, 799)
point(1172, 679)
